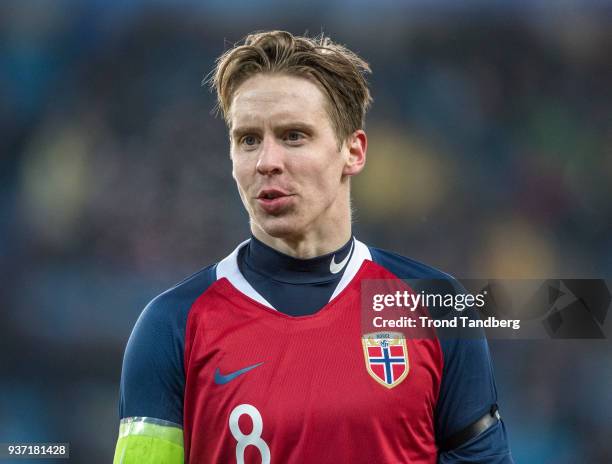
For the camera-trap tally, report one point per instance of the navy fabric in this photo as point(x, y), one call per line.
point(490, 447)
point(467, 390)
point(297, 287)
point(153, 374)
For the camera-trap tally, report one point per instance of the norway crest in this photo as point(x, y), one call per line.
point(386, 357)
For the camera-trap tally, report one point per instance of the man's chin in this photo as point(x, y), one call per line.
point(278, 227)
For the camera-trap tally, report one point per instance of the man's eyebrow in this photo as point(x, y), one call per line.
point(296, 125)
point(239, 131)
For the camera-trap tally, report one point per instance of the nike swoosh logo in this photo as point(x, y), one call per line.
point(221, 379)
point(334, 267)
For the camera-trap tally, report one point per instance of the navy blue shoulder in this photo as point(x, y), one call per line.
point(153, 374)
point(419, 276)
point(405, 268)
point(174, 303)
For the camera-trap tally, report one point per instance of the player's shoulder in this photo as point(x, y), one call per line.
point(420, 276)
point(173, 304)
point(190, 287)
point(404, 267)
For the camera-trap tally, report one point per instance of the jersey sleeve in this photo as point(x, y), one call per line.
point(153, 378)
point(467, 393)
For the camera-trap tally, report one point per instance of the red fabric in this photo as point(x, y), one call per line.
point(317, 401)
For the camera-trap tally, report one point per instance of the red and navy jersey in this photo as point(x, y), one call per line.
point(247, 383)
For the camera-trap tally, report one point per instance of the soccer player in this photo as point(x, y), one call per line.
point(260, 358)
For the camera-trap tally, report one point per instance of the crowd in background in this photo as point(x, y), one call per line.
point(490, 155)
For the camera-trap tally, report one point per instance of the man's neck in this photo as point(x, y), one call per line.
point(263, 260)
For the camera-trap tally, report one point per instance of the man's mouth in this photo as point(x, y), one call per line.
point(274, 201)
point(271, 194)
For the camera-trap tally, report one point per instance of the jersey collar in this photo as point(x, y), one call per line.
point(228, 268)
point(272, 264)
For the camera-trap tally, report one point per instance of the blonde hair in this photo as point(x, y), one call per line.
point(339, 73)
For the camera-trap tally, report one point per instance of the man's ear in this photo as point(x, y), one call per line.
point(357, 144)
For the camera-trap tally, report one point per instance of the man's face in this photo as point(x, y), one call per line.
point(290, 174)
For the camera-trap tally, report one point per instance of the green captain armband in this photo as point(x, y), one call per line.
point(145, 440)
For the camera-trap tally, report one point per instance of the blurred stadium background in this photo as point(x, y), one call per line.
point(490, 155)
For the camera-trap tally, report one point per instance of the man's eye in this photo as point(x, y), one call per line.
point(249, 140)
point(294, 136)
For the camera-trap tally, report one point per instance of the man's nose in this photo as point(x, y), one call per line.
point(271, 156)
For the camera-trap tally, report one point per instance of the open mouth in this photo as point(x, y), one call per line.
point(274, 202)
point(271, 194)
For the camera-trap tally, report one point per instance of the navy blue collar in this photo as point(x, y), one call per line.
point(273, 264)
